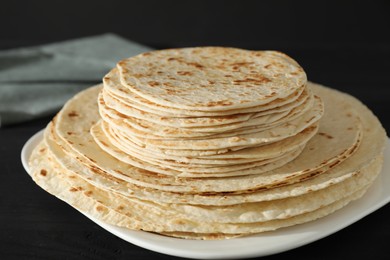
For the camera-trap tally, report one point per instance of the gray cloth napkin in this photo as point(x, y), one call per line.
point(37, 81)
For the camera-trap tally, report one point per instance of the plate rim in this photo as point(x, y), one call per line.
point(297, 235)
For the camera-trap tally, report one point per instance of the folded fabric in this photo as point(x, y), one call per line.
point(37, 81)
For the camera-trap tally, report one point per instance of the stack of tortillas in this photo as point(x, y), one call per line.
point(209, 143)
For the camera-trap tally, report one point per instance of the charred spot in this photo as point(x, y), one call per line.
point(171, 91)
point(120, 172)
point(69, 133)
point(43, 172)
point(95, 169)
point(73, 189)
point(88, 193)
point(73, 114)
point(326, 135)
point(100, 208)
point(259, 79)
point(179, 222)
point(185, 73)
point(219, 103)
point(154, 83)
point(196, 65)
point(334, 164)
point(241, 64)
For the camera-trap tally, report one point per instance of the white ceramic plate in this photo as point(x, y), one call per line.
point(257, 245)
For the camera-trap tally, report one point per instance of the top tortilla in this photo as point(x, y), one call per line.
point(211, 78)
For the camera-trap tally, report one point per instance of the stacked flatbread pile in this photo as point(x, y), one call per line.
point(209, 143)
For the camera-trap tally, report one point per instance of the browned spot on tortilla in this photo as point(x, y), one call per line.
point(69, 133)
point(179, 222)
point(219, 103)
point(185, 73)
point(104, 143)
point(309, 120)
point(43, 172)
point(241, 63)
point(100, 208)
point(73, 114)
point(92, 160)
point(42, 150)
point(73, 189)
point(120, 172)
point(154, 83)
point(334, 164)
point(88, 193)
point(196, 65)
point(326, 135)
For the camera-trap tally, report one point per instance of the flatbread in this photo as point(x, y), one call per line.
point(211, 78)
point(106, 206)
point(209, 143)
point(114, 86)
point(344, 131)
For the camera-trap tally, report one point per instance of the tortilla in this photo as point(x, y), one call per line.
point(185, 78)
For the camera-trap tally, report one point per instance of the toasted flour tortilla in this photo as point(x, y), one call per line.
point(113, 86)
point(211, 78)
point(236, 138)
point(129, 109)
point(143, 215)
point(241, 155)
point(209, 143)
point(344, 130)
point(169, 126)
point(196, 171)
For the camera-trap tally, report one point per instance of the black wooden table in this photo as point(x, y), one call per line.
point(36, 225)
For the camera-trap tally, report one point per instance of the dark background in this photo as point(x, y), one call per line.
point(342, 44)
